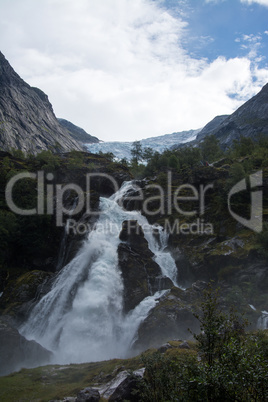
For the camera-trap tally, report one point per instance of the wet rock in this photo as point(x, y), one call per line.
point(169, 319)
point(142, 276)
point(19, 295)
point(88, 395)
point(126, 390)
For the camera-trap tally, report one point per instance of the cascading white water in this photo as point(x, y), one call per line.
point(81, 318)
point(263, 320)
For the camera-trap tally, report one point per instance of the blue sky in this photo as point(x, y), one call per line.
point(224, 28)
point(133, 69)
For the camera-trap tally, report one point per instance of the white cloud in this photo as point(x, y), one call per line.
point(251, 43)
point(118, 68)
point(261, 2)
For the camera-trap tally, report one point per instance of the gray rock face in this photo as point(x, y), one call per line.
point(17, 352)
point(27, 120)
point(78, 133)
point(142, 276)
point(250, 120)
point(169, 319)
point(212, 126)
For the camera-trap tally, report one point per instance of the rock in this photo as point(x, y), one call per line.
point(17, 352)
point(142, 276)
point(164, 347)
point(250, 120)
point(184, 345)
point(88, 395)
point(126, 390)
point(69, 399)
point(27, 118)
point(169, 319)
point(211, 126)
point(20, 293)
point(199, 286)
point(78, 133)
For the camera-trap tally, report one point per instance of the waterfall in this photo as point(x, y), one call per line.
point(81, 319)
point(263, 320)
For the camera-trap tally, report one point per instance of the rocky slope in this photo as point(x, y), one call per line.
point(250, 120)
point(78, 133)
point(27, 120)
point(212, 126)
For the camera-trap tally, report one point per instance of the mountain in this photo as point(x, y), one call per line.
point(159, 144)
point(250, 120)
point(78, 133)
point(212, 126)
point(27, 120)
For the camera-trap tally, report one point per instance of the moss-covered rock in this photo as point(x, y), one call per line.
point(21, 292)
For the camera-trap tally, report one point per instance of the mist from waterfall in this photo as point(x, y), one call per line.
point(81, 319)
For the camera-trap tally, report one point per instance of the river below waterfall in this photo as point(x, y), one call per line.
point(81, 319)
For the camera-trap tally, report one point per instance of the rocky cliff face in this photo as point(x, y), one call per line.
point(250, 120)
point(27, 120)
point(212, 126)
point(78, 133)
point(142, 276)
point(17, 352)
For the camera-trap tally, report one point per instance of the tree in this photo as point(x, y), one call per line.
point(108, 155)
point(136, 152)
point(243, 146)
point(148, 154)
point(231, 365)
point(210, 148)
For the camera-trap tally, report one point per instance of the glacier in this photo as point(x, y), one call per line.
point(161, 143)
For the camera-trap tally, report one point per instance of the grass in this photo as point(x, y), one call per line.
point(58, 381)
point(54, 382)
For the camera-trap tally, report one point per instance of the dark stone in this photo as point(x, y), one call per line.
point(142, 276)
point(88, 395)
point(126, 390)
point(169, 319)
point(20, 294)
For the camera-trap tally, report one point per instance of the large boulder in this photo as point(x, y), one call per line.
point(126, 390)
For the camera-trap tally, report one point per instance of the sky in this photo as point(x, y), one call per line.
point(130, 69)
